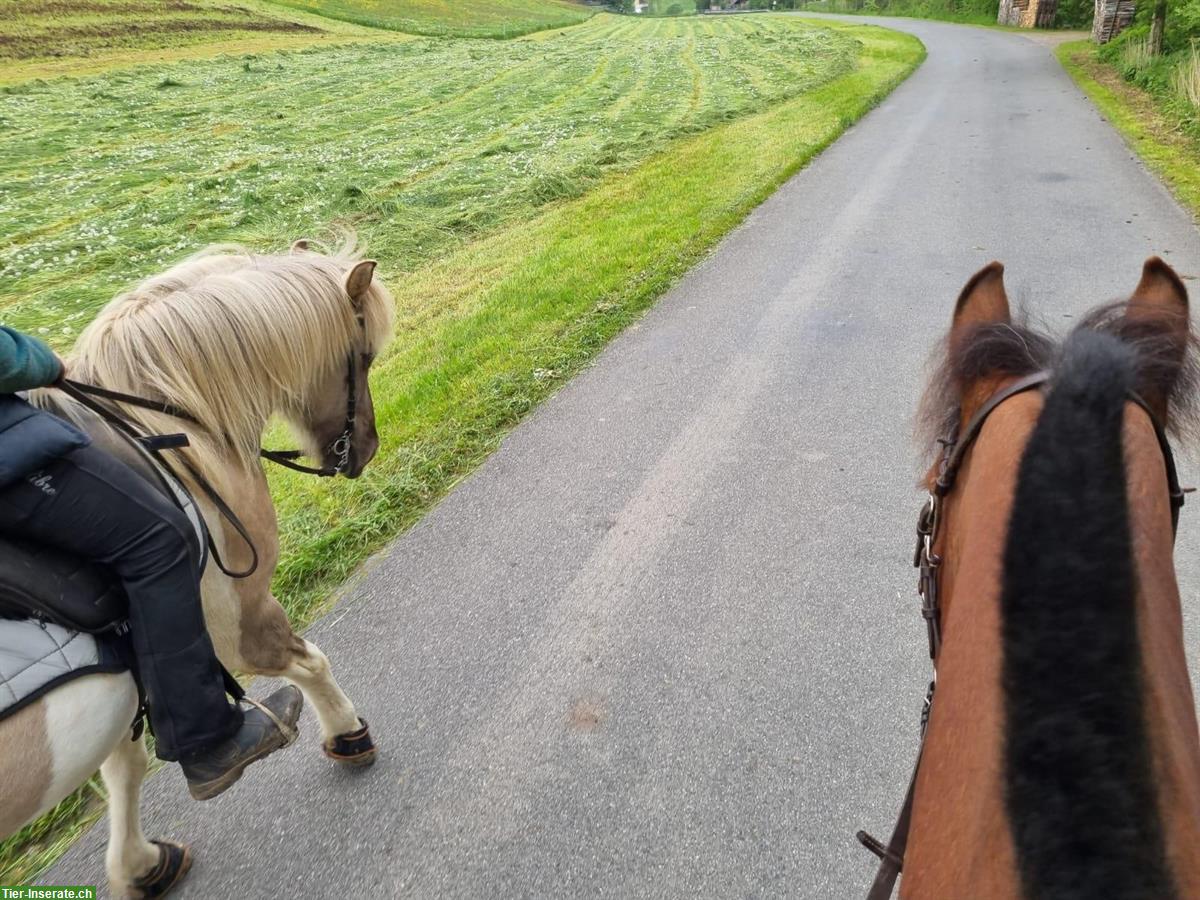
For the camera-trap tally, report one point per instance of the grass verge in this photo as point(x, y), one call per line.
point(1168, 151)
point(492, 327)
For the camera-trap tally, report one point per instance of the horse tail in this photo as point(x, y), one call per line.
point(1080, 792)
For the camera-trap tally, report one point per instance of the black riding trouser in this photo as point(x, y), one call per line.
point(92, 505)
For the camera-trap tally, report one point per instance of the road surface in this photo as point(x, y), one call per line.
point(664, 643)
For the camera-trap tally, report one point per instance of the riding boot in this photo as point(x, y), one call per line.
point(266, 727)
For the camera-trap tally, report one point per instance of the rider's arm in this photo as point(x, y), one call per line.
point(25, 362)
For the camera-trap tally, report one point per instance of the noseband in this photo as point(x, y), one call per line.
point(928, 564)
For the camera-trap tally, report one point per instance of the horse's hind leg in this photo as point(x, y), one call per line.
point(136, 867)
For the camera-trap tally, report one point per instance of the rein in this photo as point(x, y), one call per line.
point(341, 444)
point(340, 447)
point(154, 445)
point(928, 563)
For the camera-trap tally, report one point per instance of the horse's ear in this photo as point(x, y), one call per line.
point(358, 279)
point(1160, 293)
point(982, 301)
point(300, 246)
point(1161, 298)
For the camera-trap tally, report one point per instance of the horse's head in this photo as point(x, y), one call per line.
point(235, 338)
point(337, 421)
point(986, 351)
point(1063, 719)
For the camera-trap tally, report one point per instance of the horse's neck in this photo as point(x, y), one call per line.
point(960, 844)
point(1169, 705)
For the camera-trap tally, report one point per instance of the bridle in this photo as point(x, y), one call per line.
point(340, 447)
point(928, 563)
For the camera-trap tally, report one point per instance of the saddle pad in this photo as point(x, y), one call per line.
point(36, 657)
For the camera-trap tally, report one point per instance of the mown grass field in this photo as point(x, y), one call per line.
point(527, 199)
point(33, 29)
point(458, 18)
point(421, 146)
point(53, 38)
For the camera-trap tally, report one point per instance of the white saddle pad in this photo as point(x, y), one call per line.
point(38, 656)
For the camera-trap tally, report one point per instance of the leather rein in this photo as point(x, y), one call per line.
point(340, 447)
point(928, 564)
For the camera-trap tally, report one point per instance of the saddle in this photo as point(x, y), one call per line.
point(43, 583)
point(39, 582)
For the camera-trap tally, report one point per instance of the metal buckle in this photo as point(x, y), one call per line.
point(341, 449)
point(928, 562)
point(927, 706)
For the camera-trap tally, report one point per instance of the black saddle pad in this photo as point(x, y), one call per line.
point(41, 582)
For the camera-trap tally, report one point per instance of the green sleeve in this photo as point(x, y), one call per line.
point(25, 362)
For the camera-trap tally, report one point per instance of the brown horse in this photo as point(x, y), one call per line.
point(1061, 758)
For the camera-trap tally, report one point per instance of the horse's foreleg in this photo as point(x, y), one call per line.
point(267, 645)
point(136, 867)
point(344, 735)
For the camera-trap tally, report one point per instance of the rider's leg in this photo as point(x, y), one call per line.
point(91, 504)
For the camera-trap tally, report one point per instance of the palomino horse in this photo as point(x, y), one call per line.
point(1061, 758)
point(232, 338)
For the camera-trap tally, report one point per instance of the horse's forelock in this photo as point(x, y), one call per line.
point(1162, 364)
point(1015, 349)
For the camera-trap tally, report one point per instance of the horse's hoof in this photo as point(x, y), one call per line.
point(355, 749)
point(174, 860)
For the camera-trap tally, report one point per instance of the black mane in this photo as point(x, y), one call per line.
point(1079, 782)
point(1080, 790)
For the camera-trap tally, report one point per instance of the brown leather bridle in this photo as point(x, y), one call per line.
point(928, 564)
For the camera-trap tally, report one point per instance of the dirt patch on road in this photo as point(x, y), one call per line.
point(1053, 38)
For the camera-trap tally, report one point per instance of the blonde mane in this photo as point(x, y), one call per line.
point(232, 337)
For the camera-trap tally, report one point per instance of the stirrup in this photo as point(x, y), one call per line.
point(289, 732)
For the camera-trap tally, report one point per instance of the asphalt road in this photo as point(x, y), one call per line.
point(664, 643)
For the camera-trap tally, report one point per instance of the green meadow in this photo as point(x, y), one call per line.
point(421, 146)
point(457, 18)
point(526, 200)
point(71, 29)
